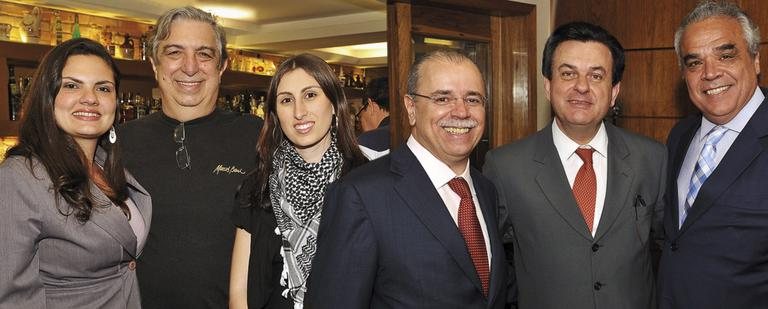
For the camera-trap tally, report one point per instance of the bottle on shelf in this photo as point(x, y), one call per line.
point(157, 104)
point(342, 82)
point(260, 108)
point(141, 106)
point(24, 82)
point(127, 46)
point(259, 66)
point(271, 68)
point(57, 28)
point(127, 110)
point(106, 38)
point(76, 27)
point(14, 95)
point(143, 43)
point(348, 81)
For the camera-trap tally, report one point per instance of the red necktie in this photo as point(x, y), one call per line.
point(585, 186)
point(469, 227)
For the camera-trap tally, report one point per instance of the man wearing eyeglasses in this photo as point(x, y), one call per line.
point(417, 228)
point(374, 119)
point(581, 200)
point(191, 158)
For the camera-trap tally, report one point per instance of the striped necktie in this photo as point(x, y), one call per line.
point(705, 165)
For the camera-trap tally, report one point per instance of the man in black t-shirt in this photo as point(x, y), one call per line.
point(191, 157)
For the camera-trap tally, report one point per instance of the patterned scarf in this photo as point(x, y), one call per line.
point(296, 191)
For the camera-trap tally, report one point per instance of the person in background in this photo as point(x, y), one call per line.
point(581, 200)
point(306, 144)
point(374, 119)
point(716, 217)
point(191, 157)
point(74, 221)
point(417, 228)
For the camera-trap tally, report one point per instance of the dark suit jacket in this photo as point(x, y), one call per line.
point(48, 260)
point(387, 240)
point(557, 262)
point(719, 257)
point(377, 139)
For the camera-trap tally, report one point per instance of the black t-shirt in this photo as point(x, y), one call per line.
point(265, 264)
point(186, 260)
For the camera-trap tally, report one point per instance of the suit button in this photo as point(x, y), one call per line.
point(132, 265)
point(598, 285)
point(595, 247)
point(673, 246)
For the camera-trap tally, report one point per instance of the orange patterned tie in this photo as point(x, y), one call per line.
point(469, 227)
point(585, 186)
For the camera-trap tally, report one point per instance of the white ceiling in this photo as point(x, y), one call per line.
point(277, 26)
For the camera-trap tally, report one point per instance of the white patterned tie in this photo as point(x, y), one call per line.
point(704, 166)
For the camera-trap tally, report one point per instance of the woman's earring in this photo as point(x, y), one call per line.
point(112, 135)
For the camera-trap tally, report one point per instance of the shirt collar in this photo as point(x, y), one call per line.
point(737, 123)
point(566, 147)
point(439, 173)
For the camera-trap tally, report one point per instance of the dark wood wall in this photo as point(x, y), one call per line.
point(653, 96)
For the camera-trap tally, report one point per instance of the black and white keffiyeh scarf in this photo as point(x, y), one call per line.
point(296, 191)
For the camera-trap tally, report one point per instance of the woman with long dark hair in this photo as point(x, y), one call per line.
point(73, 221)
point(307, 142)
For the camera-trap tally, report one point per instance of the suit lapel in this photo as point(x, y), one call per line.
point(618, 183)
point(142, 200)
point(678, 149)
point(488, 206)
point(420, 196)
point(112, 220)
point(747, 146)
point(554, 184)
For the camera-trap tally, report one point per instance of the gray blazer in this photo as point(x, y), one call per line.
point(557, 262)
point(48, 260)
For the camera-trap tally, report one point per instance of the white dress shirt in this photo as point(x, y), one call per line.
point(694, 149)
point(566, 149)
point(440, 174)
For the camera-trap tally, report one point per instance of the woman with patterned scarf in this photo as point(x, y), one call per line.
point(306, 143)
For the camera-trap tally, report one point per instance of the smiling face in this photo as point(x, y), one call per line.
point(720, 74)
point(187, 70)
point(85, 105)
point(450, 132)
point(305, 114)
point(580, 90)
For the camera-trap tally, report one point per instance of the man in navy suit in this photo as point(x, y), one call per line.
point(716, 217)
point(417, 228)
point(374, 119)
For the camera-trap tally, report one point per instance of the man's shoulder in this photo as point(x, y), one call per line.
point(242, 120)
point(371, 172)
point(377, 139)
point(146, 123)
point(526, 145)
point(638, 142)
point(138, 130)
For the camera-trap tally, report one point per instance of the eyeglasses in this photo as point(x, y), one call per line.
point(357, 115)
point(472, 100)
point(182, 156)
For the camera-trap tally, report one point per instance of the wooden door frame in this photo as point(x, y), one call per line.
point(511, 31)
